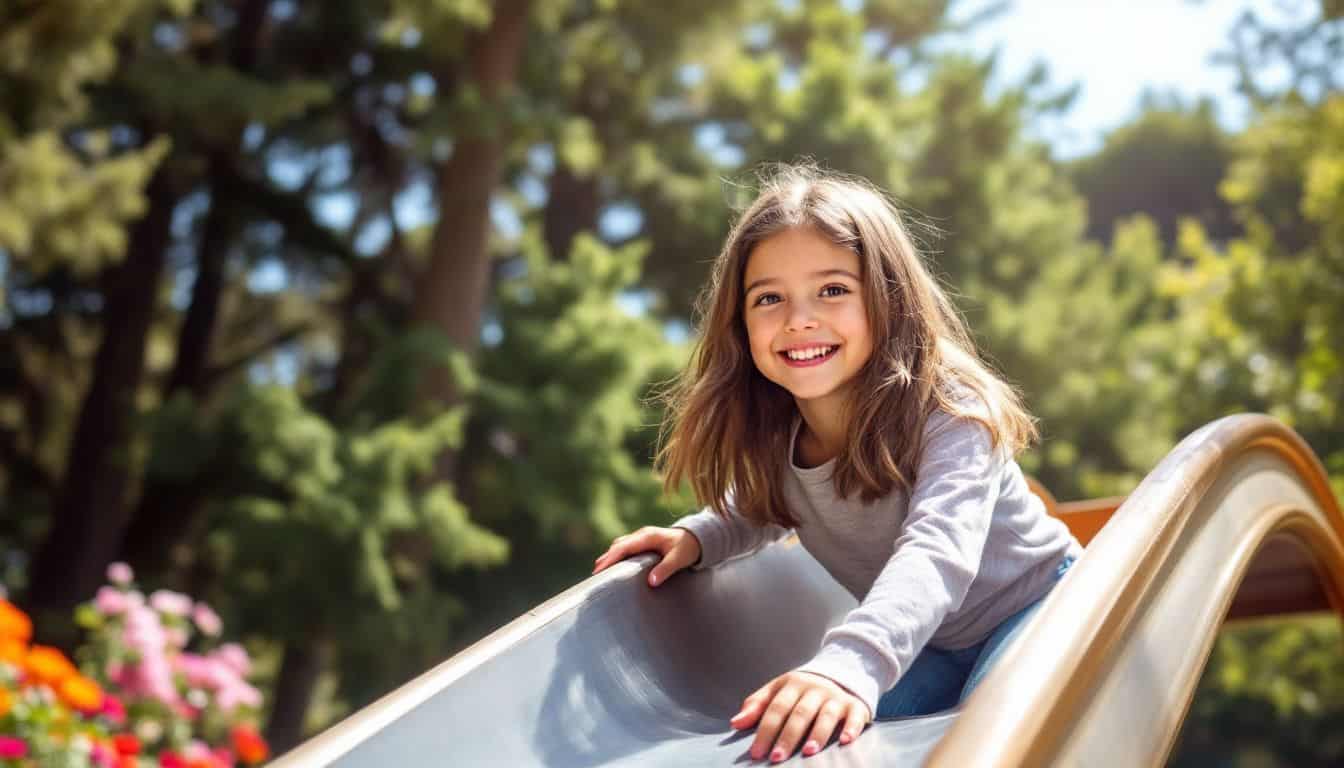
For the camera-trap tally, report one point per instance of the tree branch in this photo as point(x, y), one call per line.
point(220, 370)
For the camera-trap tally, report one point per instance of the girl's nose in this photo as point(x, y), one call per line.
point(801, 318)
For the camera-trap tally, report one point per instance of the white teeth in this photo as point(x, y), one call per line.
point(808, 353)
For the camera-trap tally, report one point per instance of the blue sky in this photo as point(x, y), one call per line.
point(1114, 48)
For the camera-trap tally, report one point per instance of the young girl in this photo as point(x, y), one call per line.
point(835, 392)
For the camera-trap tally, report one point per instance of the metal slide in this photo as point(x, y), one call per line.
point(1237, 519)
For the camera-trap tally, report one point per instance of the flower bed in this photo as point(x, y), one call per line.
point(139, 698)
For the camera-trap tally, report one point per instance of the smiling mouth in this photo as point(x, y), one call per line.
point(810, 361)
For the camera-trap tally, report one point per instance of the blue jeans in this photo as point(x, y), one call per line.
point(939, 679)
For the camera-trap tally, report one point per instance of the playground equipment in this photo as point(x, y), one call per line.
point(1238, 520)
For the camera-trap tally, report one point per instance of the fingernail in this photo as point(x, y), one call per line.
point(653, 578)
point(777, 755)
point(845, 737)
point(810, 747)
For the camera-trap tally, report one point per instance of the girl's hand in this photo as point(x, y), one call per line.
point(678, 546)
point(796, 704)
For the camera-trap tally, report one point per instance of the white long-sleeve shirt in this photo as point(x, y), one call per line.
point(942, 564)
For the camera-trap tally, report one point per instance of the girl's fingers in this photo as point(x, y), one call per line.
point(751, 710)
point(773, 720)
point(754, 705)
point(623, 547)
point(854, 723)
point(828, 717)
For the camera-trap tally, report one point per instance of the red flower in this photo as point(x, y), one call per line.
point(170, 759)
point(126, 744)
point(249, 745)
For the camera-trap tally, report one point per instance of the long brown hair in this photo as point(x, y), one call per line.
point(727, 428)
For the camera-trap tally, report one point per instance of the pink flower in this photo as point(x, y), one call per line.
point(176, 637)
point(110, 601)
point(151, 676)
point(199, 671)
point(235, 657)
point(223, 757)
point(197, 750)
point(102, 756)
point(157, 679)
point(12, 748)
point(120, 573)
point(207, 620)
point(144, 632)
point(113, 709)
point(236, 693)
point(172, 603)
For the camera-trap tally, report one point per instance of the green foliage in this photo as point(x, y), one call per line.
point(1272, 692)
point(287, 479)
point(564, 427)
point(58, 208)
point(65, 202)
point(51, 51)
point(562, 391)
point(221, 101)
point(1166, 164)
point(1258, 322)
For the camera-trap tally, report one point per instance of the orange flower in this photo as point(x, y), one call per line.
point(48, 665)
point(13, 651)
point(81, 693)
point(14, 623)
point(249, 745)
point(6, 702)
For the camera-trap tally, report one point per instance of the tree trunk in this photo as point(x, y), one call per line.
point(168, 509)
point(571, 207)
point(91, 516)
point(198, 328)
point(300, 668)
point(451, 293)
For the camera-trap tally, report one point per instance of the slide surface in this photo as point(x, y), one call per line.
point(1237, 520)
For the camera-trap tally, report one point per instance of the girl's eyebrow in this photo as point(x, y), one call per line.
point(820, 273)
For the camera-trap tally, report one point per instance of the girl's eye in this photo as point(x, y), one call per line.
point(834, 290)
point(762, 299)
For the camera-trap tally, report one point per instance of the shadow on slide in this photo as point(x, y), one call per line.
point(1237, 519)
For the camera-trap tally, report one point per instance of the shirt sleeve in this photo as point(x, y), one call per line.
point(936, 557)
point(722, 540)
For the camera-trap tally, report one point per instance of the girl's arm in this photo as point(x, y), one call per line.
point(936, 556)
point(722, 540)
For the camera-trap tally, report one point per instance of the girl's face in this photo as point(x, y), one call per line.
point(805, 315)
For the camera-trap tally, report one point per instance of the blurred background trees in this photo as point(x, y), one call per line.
point(345, 316)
